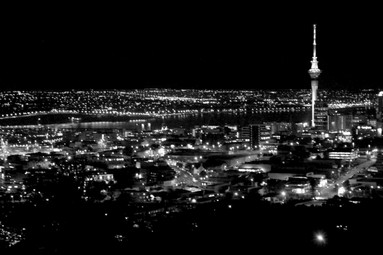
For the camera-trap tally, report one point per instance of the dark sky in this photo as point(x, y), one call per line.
point(187, 47)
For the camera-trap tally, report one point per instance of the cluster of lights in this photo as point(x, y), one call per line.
point(164, 102)
point(10, 237)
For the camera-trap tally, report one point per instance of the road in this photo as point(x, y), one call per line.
point(183, 177)
point(331, 190)
point(357, 169)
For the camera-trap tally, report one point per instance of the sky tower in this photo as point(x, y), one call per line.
point(314, 74)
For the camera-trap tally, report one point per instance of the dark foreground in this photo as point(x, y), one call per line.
point(247, 225)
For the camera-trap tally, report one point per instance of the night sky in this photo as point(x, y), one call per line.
point(245, 47)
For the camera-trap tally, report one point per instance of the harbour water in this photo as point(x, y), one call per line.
point(122, 122)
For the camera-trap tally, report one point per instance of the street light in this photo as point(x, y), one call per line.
point(320, 238)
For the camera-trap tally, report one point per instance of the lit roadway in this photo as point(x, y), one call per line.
point(331, 190)
point(357, 169)
point(184, 177)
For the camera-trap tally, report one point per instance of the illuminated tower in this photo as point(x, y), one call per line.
point(314, 74)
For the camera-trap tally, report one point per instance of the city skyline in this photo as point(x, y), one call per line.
point(188, 49)
point(161, 166)
point(170, 127)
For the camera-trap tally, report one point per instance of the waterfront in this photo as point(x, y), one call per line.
point(174, 121)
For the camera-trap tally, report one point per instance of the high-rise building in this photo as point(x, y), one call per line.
point(314, 72)
point(257, 134)
point(244, 133)
point(340, 122)
point(321, 119)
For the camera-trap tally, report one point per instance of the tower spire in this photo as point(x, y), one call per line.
point(314, 70)
point(314, 41)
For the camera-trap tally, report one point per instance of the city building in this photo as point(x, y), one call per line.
point(365, 131)
point(340, 122)
point(379, 108)
point(343, 154)
point(360, 116)
point(280, 127)
point(257, 134)
point(321, 119)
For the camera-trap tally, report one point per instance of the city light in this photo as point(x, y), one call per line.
point(341, 191)
point(320, 238)
point(163, 160)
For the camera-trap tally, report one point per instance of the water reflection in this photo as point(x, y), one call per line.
point(185, 121)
